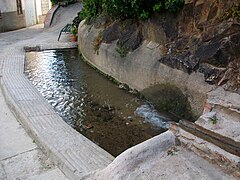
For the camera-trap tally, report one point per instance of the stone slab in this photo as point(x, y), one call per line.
point(13, 138)
point(26, 164)
point(3, 175)
point(159, 158)
point(54, 174)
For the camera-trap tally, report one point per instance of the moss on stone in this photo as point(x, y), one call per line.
point(169, 98)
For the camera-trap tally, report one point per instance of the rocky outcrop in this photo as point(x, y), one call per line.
point(188, 62)
point(207, 41)
point(195, 50)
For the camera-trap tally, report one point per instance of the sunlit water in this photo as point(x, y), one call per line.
point(90, 103)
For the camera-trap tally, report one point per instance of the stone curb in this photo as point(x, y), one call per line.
point(50, 15)
point(73, 153)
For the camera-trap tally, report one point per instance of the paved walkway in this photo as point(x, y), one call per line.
point(21, 158)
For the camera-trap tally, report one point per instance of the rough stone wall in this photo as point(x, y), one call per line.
point(11, 21)
point(45, 6)
point(9, 18)
point(141, 69)
point(196, 50)
point(207, 40)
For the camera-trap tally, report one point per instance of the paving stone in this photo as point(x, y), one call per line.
point(3, 175)
point(13, 138)
point(25, 164)
point(54, 174)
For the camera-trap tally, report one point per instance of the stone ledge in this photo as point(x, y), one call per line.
point(228, 162)
point(224, 98)
point(74, 154)
point(50, 15)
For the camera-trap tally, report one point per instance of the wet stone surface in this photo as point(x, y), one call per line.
point(90, 103)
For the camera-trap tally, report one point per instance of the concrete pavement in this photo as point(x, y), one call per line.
point(76, 156)
point(20, 157)
point(70, 151)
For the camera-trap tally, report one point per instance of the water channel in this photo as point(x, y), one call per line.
point(93, 105)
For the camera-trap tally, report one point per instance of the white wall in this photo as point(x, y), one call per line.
point(9, 5)
point(39, 7)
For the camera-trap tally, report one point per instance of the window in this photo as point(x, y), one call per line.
point(19, 7)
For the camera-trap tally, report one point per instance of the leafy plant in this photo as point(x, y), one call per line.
point(232, 12)
point(57, 1)
point(173, 5)
point(214, 119)
point(74, 30)
point(97, 42)
point(144, 15)
point(91, 8)
point(158, 7)
point(125, 9)
point(122, 51)
point(54, 2)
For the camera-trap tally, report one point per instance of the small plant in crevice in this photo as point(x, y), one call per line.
point(158, 7)
point(214, 119)
point(173, 5)
point(74, 33)
point(97, 42)
point(173, 151)
point(232, 12)
point(144, 15)
point(123, 51)
point(74, 30)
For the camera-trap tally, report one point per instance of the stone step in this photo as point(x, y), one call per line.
point(216, 148)
point(227, 99)
point(222, 121)
point(222, 113)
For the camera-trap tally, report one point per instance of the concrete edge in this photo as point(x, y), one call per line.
point(49, 16)
point(22, 119)
point(57, 157)
point(149, 150)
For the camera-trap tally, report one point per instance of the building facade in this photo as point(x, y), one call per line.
point(16, 14)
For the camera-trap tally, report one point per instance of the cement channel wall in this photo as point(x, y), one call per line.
point(73, 153)
point(141, 69)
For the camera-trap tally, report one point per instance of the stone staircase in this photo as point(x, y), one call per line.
point(215, 136)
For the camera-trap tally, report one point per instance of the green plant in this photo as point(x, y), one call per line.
point(214, 119)
point(57, 1)
point(232, 12)
point(91, 8)
point(74, 30)
point(174, 5)
point(125, 9)
point(54, 2)
point(158, 7)
point(122, 51)
point(144, 15)
point(97, 42)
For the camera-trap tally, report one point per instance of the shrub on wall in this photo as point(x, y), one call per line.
point(54, 2)
point(123, 9)
point(57, 1)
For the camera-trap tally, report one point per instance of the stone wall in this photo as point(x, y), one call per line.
point(196, 49)
point(141, 69)
point(9, 18)
point(11, 21)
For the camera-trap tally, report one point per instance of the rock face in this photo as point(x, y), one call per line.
point(195, 50)
point(204, 37)
point(207, 41)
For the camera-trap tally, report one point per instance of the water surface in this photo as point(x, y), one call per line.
point(90, 103)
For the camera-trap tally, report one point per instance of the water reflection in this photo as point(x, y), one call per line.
point(89, 102)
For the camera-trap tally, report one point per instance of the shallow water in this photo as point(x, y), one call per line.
point(96, 107)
